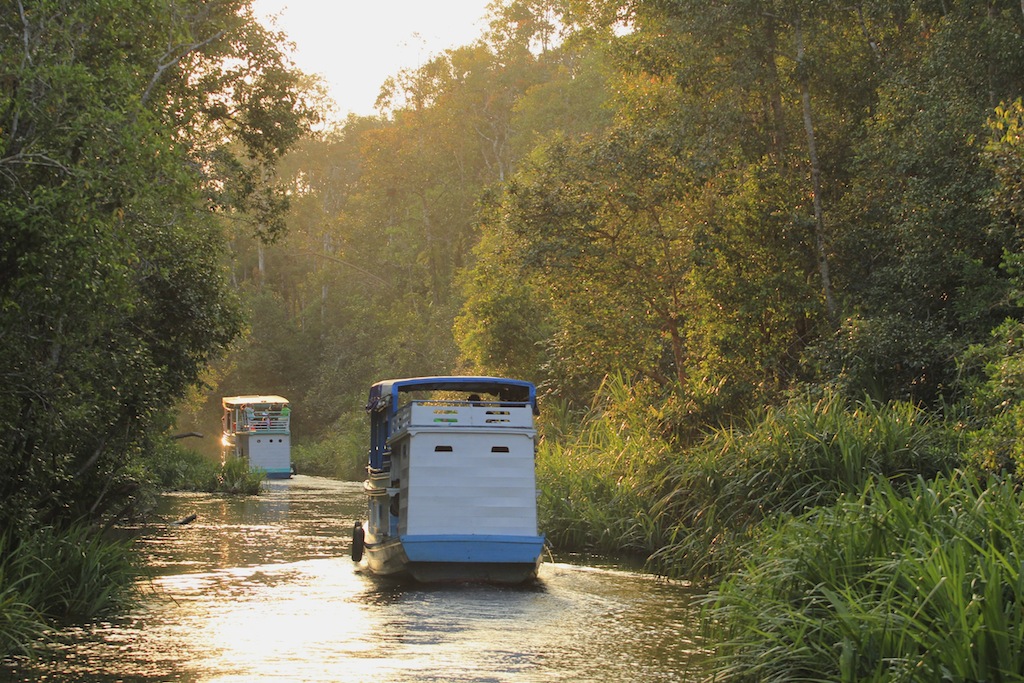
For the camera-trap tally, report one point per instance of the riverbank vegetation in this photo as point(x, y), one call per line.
point(132, 135)
point(923, 583)
point(763, 260)
point(174, 468)
point(59, 574)
point(616, 486)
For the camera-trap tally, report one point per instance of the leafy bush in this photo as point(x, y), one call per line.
point(786, 461)
point(235, 476)
point(341, 455)
point(926, 584)
point(992, 407)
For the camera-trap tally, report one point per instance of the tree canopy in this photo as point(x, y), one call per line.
point(130, 133)
point(730, 199)
point(727, 199)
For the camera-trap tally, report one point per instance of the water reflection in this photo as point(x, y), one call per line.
point(262, 589)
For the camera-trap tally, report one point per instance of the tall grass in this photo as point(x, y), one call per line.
point(925, 584)
point(236, 477)
point(788, 460)
point(73, 573)
point(20, 623)
point(594, 471)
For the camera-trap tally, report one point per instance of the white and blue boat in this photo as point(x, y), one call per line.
point(451, 487)
point(257, 428)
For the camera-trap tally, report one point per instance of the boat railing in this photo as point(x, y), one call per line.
point(271, 422)
point(461, 414)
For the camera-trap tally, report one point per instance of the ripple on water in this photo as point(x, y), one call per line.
point(262, 589)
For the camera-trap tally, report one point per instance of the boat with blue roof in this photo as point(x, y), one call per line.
point(451, 486)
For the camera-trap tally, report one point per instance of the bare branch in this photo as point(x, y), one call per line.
point(33, 160)
point(867, 35)
point(348, 265)
point(170, 59)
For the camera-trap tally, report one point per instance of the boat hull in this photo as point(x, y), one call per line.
point(456, 558)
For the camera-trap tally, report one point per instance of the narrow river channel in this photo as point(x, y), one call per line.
point(262, 589)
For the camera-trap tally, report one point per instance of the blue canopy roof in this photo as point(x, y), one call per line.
point(386, 392)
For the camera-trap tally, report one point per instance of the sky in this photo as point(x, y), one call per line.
point(355, 45)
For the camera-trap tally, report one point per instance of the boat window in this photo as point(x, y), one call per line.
point(442, 449)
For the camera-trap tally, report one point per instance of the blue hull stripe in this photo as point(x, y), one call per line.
point(470, 548)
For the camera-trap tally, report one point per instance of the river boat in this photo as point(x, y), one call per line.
point(451, 486)
point(258, 429)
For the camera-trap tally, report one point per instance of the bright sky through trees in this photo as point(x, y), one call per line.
point(355, 45)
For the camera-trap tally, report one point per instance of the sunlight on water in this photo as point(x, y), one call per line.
point(289, 622)
point(262, 589)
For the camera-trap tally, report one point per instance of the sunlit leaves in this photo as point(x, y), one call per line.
point(112, 298)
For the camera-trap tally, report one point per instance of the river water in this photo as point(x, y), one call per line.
point(262, 589)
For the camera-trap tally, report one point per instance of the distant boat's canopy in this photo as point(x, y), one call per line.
point(386, 392)
point(257, 399)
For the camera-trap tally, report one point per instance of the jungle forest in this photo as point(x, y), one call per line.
point(763, 259)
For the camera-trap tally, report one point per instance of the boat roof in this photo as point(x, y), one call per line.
point(516, 390)
point(255, 398)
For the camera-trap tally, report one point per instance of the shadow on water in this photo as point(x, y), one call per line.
point(262, 589)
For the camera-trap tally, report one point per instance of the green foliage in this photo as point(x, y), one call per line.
point(505, 318)
point(236, 477)
point(21, 625)
point(918, 584)
point(175, 468)
point(788, 460)
point(1005, 155)
point(992, 406)
point(75, 573)
point(885, 356)
point(919, 238)
point(594, 472)
point(120, 147)
point(341, 455)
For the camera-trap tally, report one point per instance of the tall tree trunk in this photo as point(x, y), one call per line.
point(778, 122)
point(820, 241)
point(261, 262)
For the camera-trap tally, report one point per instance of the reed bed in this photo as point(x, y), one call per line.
point(59, 574)
point(613, 479)
point(341, 455)
point(784, 462)
point(235, 477)
point(594, 473)
point(919, 584)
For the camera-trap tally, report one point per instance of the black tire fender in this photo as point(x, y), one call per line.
point(358, 541)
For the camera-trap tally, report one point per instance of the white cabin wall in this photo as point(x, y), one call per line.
point(471, 489)
point(270, 452)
